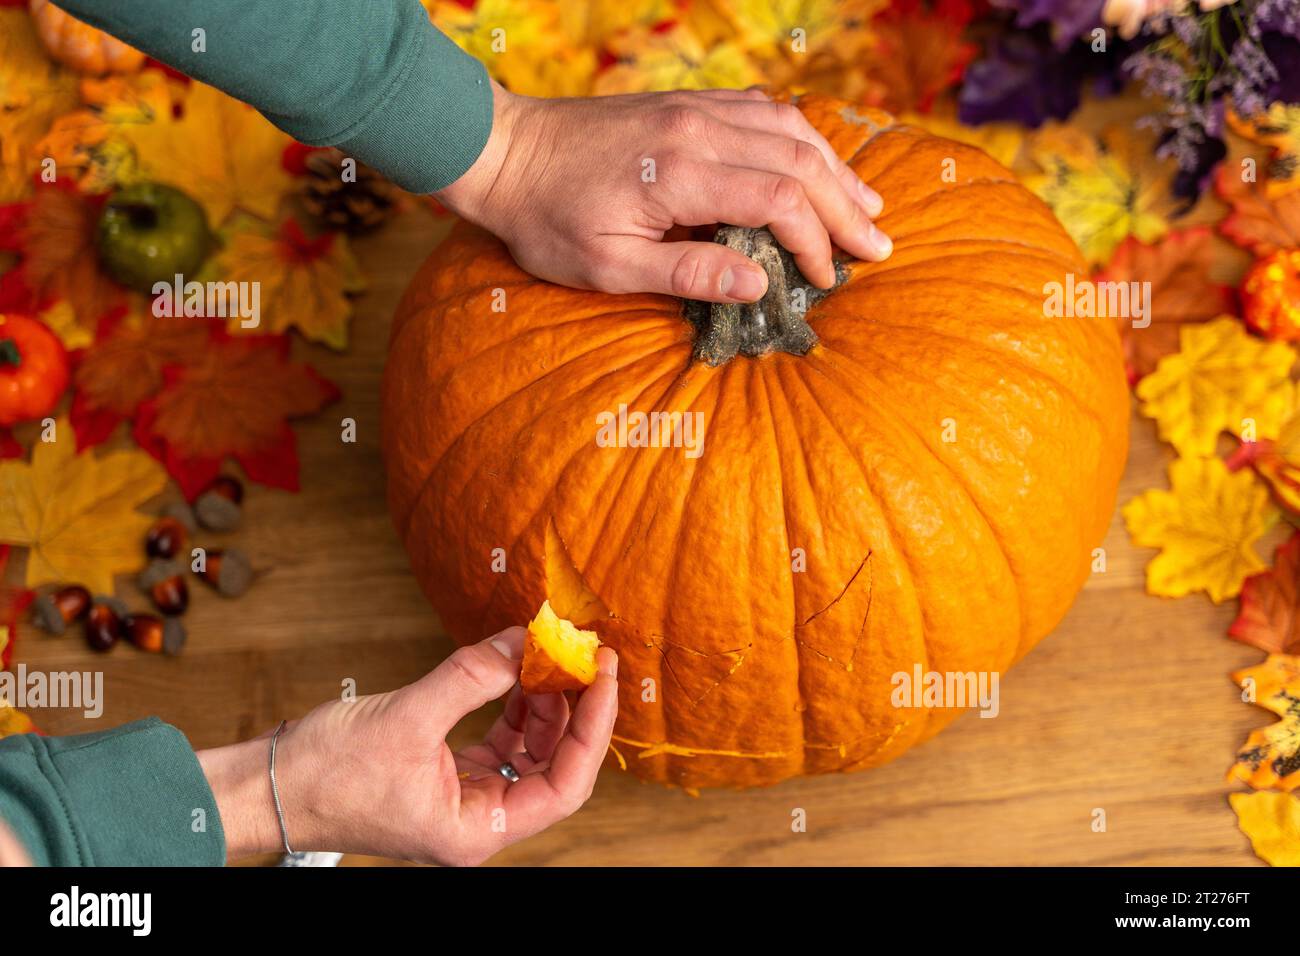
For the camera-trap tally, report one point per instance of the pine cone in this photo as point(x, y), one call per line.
point(352, 206)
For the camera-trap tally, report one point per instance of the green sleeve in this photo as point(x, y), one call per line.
point(373, 77)
point(121, 797)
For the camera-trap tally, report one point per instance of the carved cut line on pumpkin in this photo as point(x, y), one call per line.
point(806, 641)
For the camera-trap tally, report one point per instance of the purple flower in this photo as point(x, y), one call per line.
point(1070, 19)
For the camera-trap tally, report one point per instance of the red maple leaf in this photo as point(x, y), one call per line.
point(234, 401)
point(1268, 618)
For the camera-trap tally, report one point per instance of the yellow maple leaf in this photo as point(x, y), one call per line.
point(1272, 822)
point(33, 92)
point(507, 36)
point(1102, 190)
point(221, 152)
point(1220, 379)
point(768, 27)
point(304, 283)
point(77, 512)
point(674, 59)
point(595, 22)
point(1205, 526)
point(1271, 756)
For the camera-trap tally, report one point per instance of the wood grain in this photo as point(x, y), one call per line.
point(1128, 707)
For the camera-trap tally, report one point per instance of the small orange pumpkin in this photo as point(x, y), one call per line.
point(80, 46)
point(912, 477)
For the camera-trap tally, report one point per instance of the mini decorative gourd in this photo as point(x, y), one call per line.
point(915, 471)
point(79, 45)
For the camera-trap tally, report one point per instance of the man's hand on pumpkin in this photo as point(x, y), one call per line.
point(584, 191)
point(375, 775)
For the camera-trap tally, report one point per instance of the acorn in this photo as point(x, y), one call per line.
point(164, 582)
point(156, 635)
point(104, 623)
point(53, 611)
point(228, 571)
point(218, 508)
point(165, 538)
point(145, 631)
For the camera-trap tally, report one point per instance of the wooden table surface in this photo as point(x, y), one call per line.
point(1127, 707)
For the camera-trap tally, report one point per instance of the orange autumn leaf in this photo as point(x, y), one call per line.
point(1256, 221)
point(1268, 618)
point(33, 92)
point(305, 283)
point(125, 367)
point(1182, 292)
point(918, 51)
point(59, 257)
point(1277, 128)
point(1277, 461)
point(1271, 757)
point(234, 400)
point(13, 721)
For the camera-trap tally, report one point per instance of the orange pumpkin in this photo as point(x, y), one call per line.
point(81, 46)
point(921, 489)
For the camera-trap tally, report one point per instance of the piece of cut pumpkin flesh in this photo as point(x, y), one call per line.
point(557, 656)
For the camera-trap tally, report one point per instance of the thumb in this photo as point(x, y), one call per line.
point(689, 270)
point(470, 678)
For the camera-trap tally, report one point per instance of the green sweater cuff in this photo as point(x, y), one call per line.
point(131, 796)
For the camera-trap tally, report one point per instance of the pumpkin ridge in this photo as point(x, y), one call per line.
point(1031, 252)
point(968, 343)
point(902, 560)
point(761, 380)
point(546, 506)
point(957, 479)
point(515, 396)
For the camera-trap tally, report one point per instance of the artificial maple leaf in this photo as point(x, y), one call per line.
point(33, 91)
point(1182, 292)
point(125, 367)
point(304, 282)
point(509, 37)
point(1277, 461)
point(224, 154)
point(14, 721)
point(919, 50)
point(1255, 221)
point(1003, 141)
point(1103, 190)
point(674, 59)
point(589, 25)
point(1205, 526)
point(233, 400)
point(89, 142)
point(1271, 757)
point(1220, 379)
point(76, 513)
point(1278, 128)
point(1272, 822)
point(1269, 617)
point(56, 238)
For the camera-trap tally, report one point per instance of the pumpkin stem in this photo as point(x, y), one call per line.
point(775, 323)
point(9, 354)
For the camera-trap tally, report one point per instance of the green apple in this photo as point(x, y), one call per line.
point(151, 233)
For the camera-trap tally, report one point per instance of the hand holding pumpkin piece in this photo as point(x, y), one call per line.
point(584, 191)
point(375, 775)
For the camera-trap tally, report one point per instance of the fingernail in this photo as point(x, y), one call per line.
point(608, 664)
point(747, 285)
point(509, 643)
point(871, 199)
point(880, 244)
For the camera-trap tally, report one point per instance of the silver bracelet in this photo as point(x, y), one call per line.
point(275, 791)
